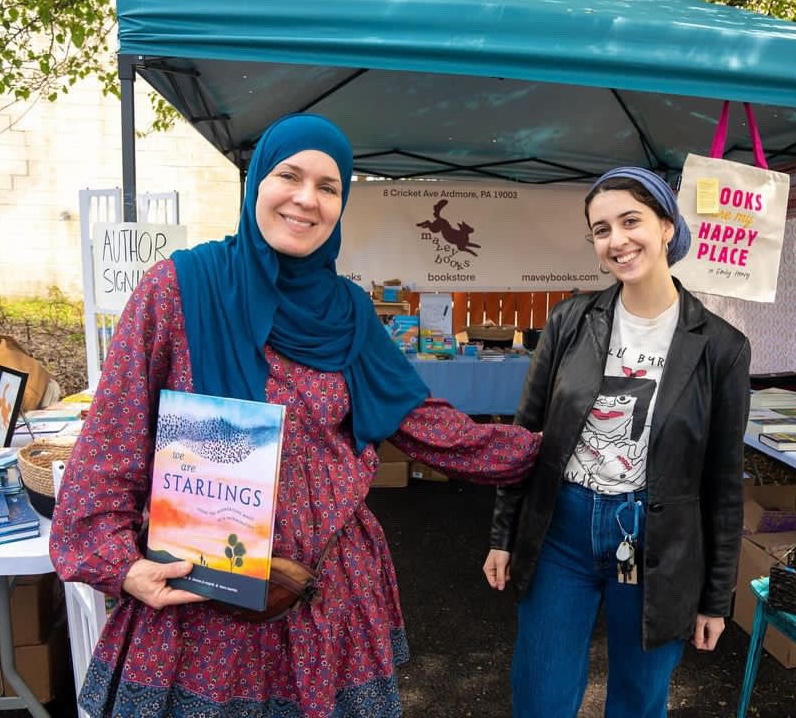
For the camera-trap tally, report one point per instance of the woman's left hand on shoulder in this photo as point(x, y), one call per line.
point(707, 632)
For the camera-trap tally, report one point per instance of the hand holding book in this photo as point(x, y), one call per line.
point(148, 582)
point(214, 481)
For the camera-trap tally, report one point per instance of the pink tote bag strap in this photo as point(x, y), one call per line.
point(720, 137)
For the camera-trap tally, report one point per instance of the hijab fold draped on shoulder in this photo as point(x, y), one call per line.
point(239, 294)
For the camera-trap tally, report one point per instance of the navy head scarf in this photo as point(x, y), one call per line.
point(239, 294)
point(664, 195)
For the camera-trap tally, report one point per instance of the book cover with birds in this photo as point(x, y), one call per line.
point(214, 484)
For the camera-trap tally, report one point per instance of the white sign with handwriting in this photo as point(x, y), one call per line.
point(123, 251)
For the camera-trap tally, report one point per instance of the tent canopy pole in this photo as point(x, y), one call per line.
point(127, 78)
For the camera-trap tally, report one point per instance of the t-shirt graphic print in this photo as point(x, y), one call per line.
point(611, 454)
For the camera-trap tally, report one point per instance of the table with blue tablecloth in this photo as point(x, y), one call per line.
point(786, 457)
point(475, 386)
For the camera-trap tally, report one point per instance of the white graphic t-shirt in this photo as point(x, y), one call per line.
point(611, 454)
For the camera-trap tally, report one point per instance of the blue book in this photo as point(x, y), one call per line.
point(19, 535)
point(10, 480)
point(8, 456)
point(3, 509)
point(21, 517)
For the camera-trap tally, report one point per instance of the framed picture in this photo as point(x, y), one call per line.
point(12, 387)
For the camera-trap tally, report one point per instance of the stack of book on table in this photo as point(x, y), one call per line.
point(779, 440)
point(65, 416)
point(769, 424)
point(773, 398)
point(18, 520)
point(772, 418)
point(491, 355)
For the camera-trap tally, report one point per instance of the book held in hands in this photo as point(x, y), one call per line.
point(214, 483)
point(779, 440)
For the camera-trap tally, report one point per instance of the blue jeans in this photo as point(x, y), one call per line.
point(576, 573)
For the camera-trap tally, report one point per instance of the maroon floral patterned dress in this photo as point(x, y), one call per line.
point(334, 658)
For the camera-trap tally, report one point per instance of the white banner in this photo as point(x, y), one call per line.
point(456, 236)
point(123, 251)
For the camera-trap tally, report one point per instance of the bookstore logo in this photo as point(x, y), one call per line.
point(449, 242)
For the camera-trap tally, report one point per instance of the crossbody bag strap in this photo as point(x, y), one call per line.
point(329, 543)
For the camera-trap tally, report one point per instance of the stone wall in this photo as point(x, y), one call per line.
point(50, 151)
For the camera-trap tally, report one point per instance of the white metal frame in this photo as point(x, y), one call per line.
point(96, 205)
point(105, 205)
point(159, 207)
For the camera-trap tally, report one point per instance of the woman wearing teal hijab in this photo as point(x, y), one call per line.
point(299, 305)
point(263, 315)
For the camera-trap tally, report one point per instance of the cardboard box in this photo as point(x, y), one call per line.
point(769, 509)
point(388, 453)
point(45, 668)
point(758, 553)
point(392, 474)
point(419, 470)
point(36, 603)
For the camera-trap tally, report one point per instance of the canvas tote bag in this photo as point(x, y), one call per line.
point(736, 214)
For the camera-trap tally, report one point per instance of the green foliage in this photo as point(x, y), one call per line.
point(235, 551)
point(49, 45)
point(55, 308)
point(164, 115)
point(50, 329)
point(783, 9)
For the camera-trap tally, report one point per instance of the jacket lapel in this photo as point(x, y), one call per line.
point(591, 366)
point(687, 347)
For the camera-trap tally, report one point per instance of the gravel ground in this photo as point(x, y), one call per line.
point(461, 632)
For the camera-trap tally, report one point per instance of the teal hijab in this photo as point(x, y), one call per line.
point(239, 294)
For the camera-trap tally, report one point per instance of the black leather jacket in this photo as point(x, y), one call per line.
point(694, 462)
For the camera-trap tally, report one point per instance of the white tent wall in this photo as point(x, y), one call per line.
point(770, 327)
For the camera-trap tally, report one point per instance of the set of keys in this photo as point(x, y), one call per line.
point(626, 568)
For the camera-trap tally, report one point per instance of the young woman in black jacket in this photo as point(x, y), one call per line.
point(635, 503)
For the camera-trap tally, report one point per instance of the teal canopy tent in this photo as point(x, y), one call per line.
point(536, 91)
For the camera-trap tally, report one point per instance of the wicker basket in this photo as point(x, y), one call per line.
point(492, 336)
point(35, 466)
point(782, 584)
point(486, 332)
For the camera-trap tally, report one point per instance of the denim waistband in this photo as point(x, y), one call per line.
point(586, 492)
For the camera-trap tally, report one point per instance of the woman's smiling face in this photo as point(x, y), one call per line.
point(299, 203)
point(629, 238)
